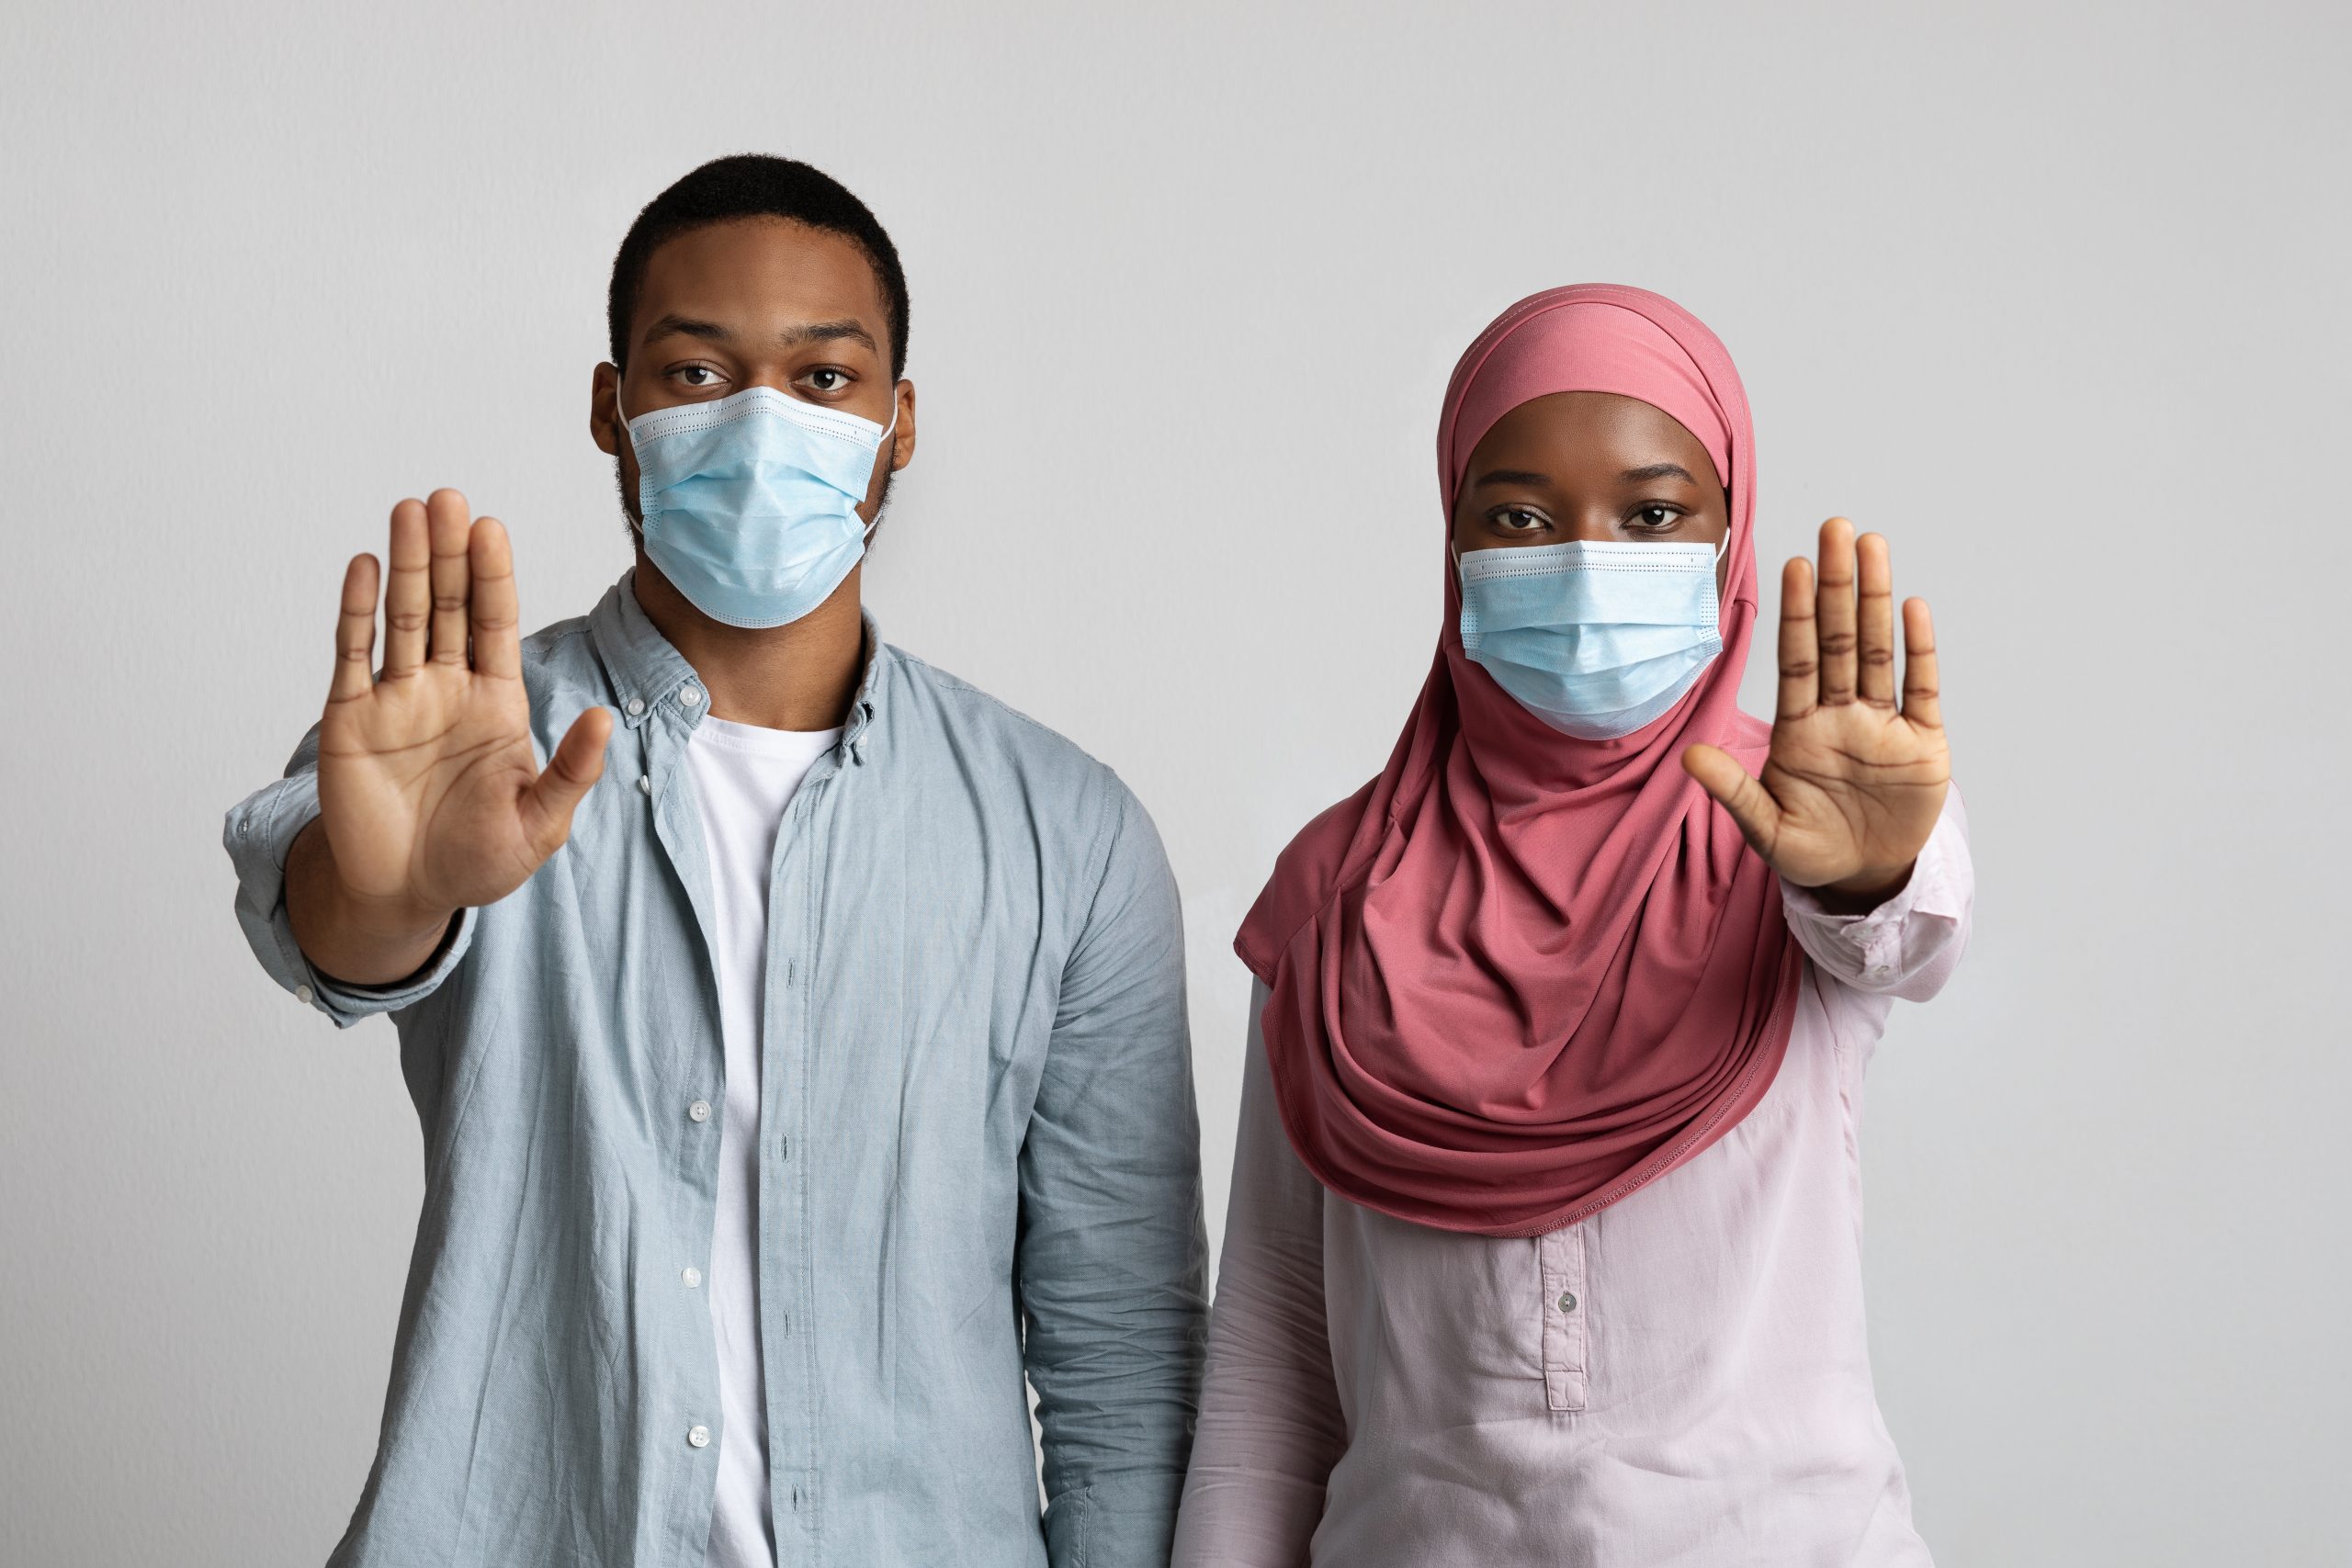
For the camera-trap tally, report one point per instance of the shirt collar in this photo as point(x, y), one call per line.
point(646, 671)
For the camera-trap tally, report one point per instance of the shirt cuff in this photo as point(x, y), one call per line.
point(259, 834)
point(1871, 949)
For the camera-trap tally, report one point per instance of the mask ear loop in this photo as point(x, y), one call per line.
point(867, 537)
point(620, 415)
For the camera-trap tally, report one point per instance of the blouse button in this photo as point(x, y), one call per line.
point(1567, 1300)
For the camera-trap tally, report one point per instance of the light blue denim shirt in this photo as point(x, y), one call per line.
point(979, 1155)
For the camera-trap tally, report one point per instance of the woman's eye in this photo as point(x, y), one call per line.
point(1518, 519)
point(1657, 516)
point(827, 379)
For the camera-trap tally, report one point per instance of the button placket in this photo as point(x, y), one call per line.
point(1560, 1256)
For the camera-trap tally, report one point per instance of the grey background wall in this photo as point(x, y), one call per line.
point(2051, 294)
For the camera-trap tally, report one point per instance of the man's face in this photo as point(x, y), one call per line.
point(758, 302)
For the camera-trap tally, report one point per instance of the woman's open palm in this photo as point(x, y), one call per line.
point(429, 791)
point(1854, 782)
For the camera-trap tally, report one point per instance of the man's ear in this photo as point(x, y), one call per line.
point(903, 437)
point(603, 408)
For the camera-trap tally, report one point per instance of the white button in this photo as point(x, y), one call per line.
point(691, 696)
point(304, 995)
point(645, 784)
point(698, 1436)
point(700, 1111)
point(1567, 1300)
point(693, 1278)
point(636, 707)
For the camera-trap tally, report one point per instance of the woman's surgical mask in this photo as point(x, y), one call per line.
point(748, 504)
point(1595, 639)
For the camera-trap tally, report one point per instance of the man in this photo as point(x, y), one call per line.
point(831, 1076)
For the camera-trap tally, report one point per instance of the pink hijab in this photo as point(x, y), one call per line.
point(1517, 976)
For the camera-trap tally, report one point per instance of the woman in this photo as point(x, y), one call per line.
point(1544, 1238)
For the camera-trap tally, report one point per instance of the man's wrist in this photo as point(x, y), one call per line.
point(351, 936)
point(391, 921)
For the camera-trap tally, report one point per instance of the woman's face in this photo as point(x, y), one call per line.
point(1590, 466)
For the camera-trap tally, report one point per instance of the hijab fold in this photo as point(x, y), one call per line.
point(1517, 976)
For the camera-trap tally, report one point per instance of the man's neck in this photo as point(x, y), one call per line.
point(797, 676)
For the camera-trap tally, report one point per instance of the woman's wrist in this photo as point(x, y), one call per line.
point(1865, 890)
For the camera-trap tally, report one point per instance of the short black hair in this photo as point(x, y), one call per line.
point(754, 184)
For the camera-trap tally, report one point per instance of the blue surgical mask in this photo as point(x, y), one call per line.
point(750, 502)
point(1595, 639)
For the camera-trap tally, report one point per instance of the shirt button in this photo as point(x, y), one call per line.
point(304, 995)
point(636, 707)
point(693, 1278)
point(700, 1111)
point(698, 1436)
point(645, 784)
point(691, 696)
point(1567, 1300)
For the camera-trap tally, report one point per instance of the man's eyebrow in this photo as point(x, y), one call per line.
point(1513, 477)
point(829, 332)
point(686, 326)
point(1658, 471)
point(845, 329)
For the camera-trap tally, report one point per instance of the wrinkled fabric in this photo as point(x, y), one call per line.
point(1518, 975)
point(976, 1121)
point(1680, 1381)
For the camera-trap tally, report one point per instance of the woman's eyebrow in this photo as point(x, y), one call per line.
point(1658, 471)
point(1512, 477)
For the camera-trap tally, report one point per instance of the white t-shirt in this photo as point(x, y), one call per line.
point(744, 777)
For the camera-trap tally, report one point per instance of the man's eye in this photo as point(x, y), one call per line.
point(697, 376)
point(827, 379)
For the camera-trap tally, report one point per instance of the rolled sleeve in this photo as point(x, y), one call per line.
point(259, 834)
point(1112, 1258)
point(1271, 1427)
point(1910, 944)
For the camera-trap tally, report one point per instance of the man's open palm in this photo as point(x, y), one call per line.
point(429, 793)
point(1854, 783)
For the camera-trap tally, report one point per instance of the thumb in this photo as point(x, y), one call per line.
point(1750, 804)
point(577, 763)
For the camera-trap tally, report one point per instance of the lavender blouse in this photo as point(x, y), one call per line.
point(1682, 1379)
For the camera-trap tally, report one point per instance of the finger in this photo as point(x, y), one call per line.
point(1834, 608)
point(577, 763)
point(408, 594)
point(1720, 775)
point(1800, 650)
point(1922, 693)
point(1874, 602)
point(355, 633)
point(493, 613)
point(448, 518)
